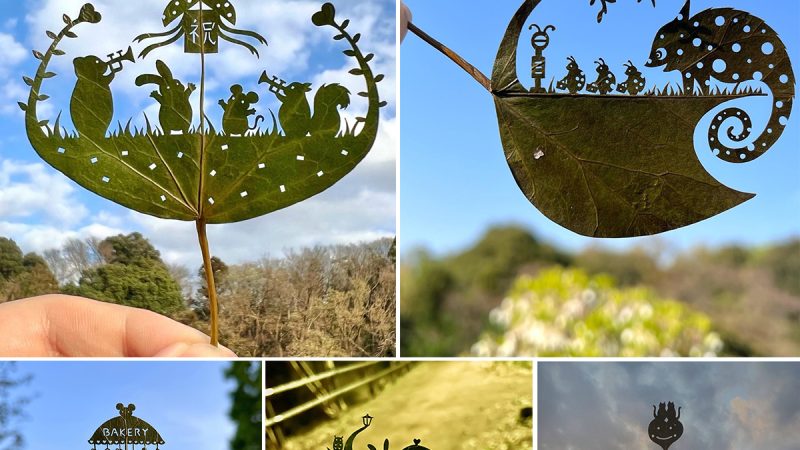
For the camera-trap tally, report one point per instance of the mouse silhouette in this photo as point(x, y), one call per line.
point(237, 111)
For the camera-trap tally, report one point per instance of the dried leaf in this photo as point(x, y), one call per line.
point(605, 166)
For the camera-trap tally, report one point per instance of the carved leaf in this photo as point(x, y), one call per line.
point(161, 174)
point(605, 166)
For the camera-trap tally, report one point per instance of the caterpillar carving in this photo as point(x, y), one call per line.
point(732, 46)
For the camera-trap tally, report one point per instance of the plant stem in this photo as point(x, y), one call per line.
point(201, 221)
point(469, 68)
point(211, 287)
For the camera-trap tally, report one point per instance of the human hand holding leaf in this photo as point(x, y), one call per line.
point(199, 174)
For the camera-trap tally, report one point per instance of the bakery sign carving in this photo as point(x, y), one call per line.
point(125, 431)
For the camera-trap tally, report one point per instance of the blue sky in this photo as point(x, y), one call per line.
point(40, 208)
point(724, 405)
point(454, 179)
point(187, 402)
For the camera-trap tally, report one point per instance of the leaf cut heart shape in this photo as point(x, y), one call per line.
point(177, 170)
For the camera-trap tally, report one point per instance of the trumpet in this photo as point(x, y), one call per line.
point(115, 60)
point(276, 85)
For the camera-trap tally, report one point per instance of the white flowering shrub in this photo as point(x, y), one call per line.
point(565, 312)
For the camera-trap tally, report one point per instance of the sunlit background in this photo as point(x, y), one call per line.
point(467, 231)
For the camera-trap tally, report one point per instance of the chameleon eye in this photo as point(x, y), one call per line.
point(661, 53)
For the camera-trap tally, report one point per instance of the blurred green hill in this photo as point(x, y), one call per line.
point(749, 296)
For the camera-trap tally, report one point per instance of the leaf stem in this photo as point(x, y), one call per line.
point(455, 57)
point(201, 221)
point(211, 287)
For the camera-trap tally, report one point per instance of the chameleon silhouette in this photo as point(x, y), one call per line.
point(732, 46)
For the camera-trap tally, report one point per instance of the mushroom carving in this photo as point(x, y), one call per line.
point(202, 29)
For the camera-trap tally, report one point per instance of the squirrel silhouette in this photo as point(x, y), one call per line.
point(295, 111)
point(326, 120)
point(732, 46)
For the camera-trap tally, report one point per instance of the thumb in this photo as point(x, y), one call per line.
point(184, 350)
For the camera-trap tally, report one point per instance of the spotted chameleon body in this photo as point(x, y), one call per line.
point(731, 46)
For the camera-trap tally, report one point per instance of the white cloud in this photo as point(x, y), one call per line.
point(12, 90)
point(13, 52)
point(30, 190)
point(38, 238)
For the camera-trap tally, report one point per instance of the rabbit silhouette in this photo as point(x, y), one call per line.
point(176, 111)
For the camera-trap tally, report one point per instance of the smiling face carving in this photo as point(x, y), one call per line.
point(666, 427)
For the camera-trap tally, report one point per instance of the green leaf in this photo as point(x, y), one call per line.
point(66, 19)
point(37, 54)
point(22, 106)
point(48, 75)
point(51, 35)
point(160, 173)
point(379, 78)
point(70, 34)
point(605, 166)
point(369, 57)
point(356, 72)
point(28, 80)
point(58, 52)
point(43, 97)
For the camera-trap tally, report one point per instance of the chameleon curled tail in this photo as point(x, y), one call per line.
point(783, 98)
point(779, 78)
point(732, 46)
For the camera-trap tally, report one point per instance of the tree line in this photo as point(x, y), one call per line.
point(321, 301)
point(750, 294)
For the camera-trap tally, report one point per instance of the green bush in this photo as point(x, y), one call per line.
point(564, 312)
